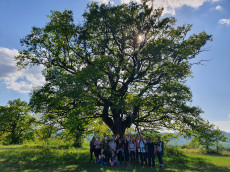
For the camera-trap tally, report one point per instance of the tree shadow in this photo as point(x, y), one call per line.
point(184, 162)
point(47, 159)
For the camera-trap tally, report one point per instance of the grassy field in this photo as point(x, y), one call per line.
point(31, 158)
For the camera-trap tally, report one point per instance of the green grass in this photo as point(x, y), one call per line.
point(31, 158)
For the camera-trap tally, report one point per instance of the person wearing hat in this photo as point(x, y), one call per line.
point(112, 145)
point(97, 144)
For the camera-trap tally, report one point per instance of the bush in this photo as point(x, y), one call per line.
point(173, 151)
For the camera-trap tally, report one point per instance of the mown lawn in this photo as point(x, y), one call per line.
point(31, 158)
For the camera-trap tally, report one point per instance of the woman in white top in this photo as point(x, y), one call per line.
point(142, 150)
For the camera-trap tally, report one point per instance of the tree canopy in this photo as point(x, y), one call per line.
point(124, 64)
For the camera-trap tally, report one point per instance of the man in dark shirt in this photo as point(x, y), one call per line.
point(92, 147)
point(151, 152)
point(160, 150)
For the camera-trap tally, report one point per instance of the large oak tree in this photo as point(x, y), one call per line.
point(125, 64)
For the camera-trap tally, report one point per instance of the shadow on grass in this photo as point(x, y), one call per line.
point(71, 159)
point(183, 162)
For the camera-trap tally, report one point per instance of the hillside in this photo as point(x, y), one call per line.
point(182, 140)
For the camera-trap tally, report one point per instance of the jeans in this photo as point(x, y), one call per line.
point(126, 156)
point(151, 159)
point(132, 156)
point(137, 155)
point(101, 161)
point(97, 152)
point(91, 153)
point(160, 157)
point(143, 157)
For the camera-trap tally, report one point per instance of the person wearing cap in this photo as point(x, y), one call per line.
point(112, 145)
point(97, 144)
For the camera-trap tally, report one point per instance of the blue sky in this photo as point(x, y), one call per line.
point(211, 82)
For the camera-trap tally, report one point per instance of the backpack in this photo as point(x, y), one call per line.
point(159, 148)
point(142, 149)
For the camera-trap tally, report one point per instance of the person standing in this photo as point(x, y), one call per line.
point(92, 148)
point(160, 151)
point(142, 151)
point(97, 144)
point(126, 150)
point(137, 139)
point(128, 137)
point(105, 137)
point(119, 150)
point(132, 150)
point(105, 146)
point(123, 138)
point(112, 145)
point(117, 138)
point(151, 152)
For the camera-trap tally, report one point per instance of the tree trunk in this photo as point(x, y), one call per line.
point(14, 138)
point(119, 129)
point(117, 124)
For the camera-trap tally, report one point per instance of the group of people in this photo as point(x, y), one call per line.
point(114, 150)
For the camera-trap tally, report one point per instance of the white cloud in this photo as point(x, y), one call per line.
point(218, 7)
point(171, 5)
point(104, 1)
point(125, 1)
point(21, 81)
point(223, 125)
point(224, 21)
point(229, 115)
